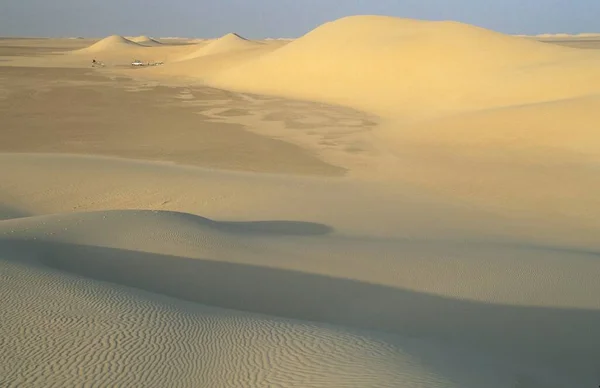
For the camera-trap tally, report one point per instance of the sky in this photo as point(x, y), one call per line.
point(256, 19)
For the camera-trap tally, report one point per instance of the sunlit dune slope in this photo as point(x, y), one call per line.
point(540, 133)
point(394, 66)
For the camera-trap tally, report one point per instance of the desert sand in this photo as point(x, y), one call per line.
point(382, 202)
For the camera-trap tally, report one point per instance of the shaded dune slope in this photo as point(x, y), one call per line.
point(133, 337)
point(71, 330)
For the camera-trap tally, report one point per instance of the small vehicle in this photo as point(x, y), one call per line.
point(137, 62)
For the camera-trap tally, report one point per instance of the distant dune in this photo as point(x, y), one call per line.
point(558, 36)
point(588, 35)
point(111, 43)
point(567, 36)
point(226, 44)
point(145, 40)
point(206, 58)
point(118, 50)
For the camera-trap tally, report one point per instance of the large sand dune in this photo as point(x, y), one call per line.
point(403, 67)
point(445, 235)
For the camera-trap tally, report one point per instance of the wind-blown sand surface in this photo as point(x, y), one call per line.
point(379, 203)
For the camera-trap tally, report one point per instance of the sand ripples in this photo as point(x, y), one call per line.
point(64, 330)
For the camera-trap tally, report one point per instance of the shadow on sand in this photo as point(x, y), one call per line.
point(8, 212)
point(272, 228)
point(567, 338)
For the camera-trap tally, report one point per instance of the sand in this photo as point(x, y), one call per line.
point(145, 40)
point(337, 210)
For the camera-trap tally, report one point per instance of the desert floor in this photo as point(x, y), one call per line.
point(261, 214)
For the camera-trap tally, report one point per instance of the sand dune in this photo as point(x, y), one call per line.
point(145, 40)
point(118, 52)
point(189, 257)
point(111, 43)
point(393, 67)
point(211, 57)
point(567, 36)
point(119, 49)
point(229, 42)
point(226, 44)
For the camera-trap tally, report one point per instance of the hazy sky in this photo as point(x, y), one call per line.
point(279, 18)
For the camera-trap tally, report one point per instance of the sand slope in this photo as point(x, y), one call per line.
point(395, 66)
point(327, 266)
point(564, 126)
point(76, 330)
